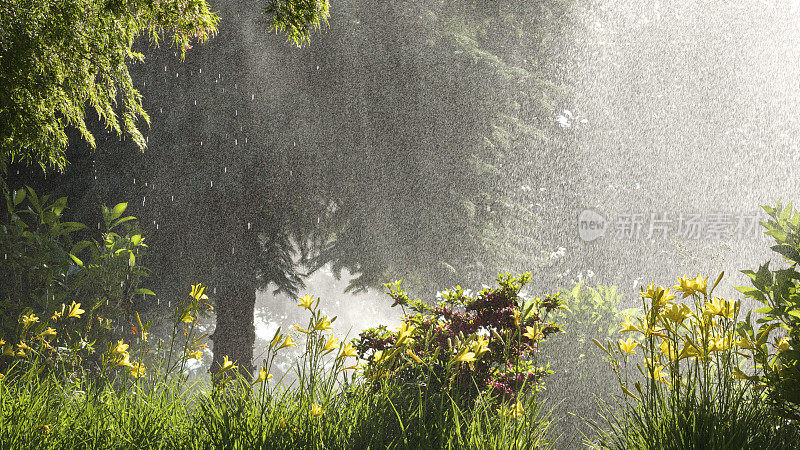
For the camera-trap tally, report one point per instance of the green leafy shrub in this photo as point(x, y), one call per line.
point(45, 271)
point(468, 345)
point(775, 341)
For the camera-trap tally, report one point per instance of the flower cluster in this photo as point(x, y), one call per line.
point(485, 343)
point(684, 343)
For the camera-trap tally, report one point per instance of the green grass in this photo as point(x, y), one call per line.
point(49, 412)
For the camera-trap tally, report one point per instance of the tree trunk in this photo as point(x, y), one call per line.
point(235, 297)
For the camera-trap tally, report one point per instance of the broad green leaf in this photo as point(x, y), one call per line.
point(117, 211)
point(19, 196)
point(787, 251)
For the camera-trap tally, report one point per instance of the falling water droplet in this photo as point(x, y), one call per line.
point(172, 198)
point(212, 183)
point(248, 225)
point(235, 142)
point(225, 170)
point(201, 70)
point(165, 68)
point(232, 250)
point(201, 143)
point(317, 67)
point(215, 290)
point(161, 110)
point(156, 226)
point(252, 96)
point(195, 103)
point(245, 140)
point(235, 112)
point(143, 201)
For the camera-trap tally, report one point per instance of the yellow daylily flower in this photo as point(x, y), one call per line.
point(56, 315)
point(658, 294)
point(670, 351)
point(745, 343)
point(75, 310)
point(29, 319)
point(533, 334)
point(198, 292)
point(413, 355)
point(287, 343)
point(2, 342)
point(627, 325)
point(48, 332)
point(137, 370)
point(120, 348)
point(347, 350)
point(516, 315)
point(628, 346)
point(378, 357)
point(306, 301)
point(480, 346)
point(692, 286)
point(186, 317)
point(331, 344)
point(300, 329)
point(197, 354)
point(263, 375)
point(323, 324)
point(316, 410)
point(124, 360)
point(466, 357)
point(721, 307)
point(227, 365)
point(676, 313)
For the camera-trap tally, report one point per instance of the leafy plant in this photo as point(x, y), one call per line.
point(468, 345)
point(774, 342)
point(690, 391)
point(43, 267)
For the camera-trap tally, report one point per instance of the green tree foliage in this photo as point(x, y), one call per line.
point(427, 113)
point(58, 56)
